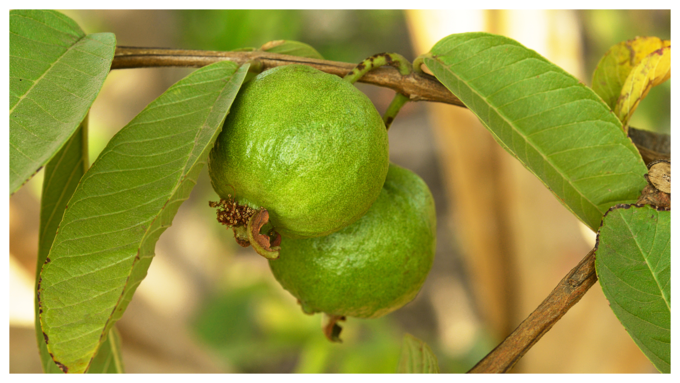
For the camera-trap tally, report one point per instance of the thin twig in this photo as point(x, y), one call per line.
point(418, 87)
point(569, 291)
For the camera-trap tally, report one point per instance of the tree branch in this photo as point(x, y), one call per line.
point(418, 87)
point(569, 291)
point(651, 145)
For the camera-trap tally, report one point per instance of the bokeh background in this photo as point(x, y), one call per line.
point(504, 241)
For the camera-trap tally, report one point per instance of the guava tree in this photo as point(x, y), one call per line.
point(99, 224)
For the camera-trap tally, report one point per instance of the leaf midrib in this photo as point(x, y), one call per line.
point(651, 271)
point(28, 91)
point(58, 15)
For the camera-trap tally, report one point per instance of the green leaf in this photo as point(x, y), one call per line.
point(293, 48)
point(633, 264)
point(555, 126)
point(62, 174)
point(109, 358)
point(416, 357)
point(106, 240)
point(55, 73)
point(615, 66)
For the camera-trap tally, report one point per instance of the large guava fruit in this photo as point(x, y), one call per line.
point(306, 146)
point(372, 267)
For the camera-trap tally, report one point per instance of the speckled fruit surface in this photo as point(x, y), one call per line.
point(305, 145)
point(372, 267)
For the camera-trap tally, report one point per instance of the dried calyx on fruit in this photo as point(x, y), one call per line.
point(304, 150)
point(370, 268)
point(658, 190)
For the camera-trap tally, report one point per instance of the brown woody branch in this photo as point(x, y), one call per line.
point(569, 291)
point(418, 87)
point(651, 145)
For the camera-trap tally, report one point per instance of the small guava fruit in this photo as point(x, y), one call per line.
point(372, 267)
point(306, 146)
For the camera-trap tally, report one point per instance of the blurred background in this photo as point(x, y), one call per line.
point(504, 241)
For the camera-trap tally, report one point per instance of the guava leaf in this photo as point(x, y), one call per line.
point(62, 174)
point(653, 70)
point(55, 73)
point(106, 239)
point(633, 264)
point(293, 48)
point(416, 357)
point(109, 358)
point(555, 126)
point(615, 66)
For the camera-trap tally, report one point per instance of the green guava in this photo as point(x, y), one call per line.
point(372, 267)
point(306, 146)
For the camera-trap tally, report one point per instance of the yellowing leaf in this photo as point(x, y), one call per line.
point(615, 66)
point(651, 71)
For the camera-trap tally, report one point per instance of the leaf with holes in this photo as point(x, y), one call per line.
point(416, 357)
point(106, 239)
point(615, 66)
point(555, 126)
point(633, 264)
point(55, 73)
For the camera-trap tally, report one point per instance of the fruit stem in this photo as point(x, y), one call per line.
point(391, 113)
point(394, 59)
point(261, 243)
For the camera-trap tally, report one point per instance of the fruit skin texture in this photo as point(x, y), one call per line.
point(371, 267)
point(305, 145)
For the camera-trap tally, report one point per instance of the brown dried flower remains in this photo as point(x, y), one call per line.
point(230, 213)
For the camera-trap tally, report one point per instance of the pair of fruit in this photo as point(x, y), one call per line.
point(306, 154)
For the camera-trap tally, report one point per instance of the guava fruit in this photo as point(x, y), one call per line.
point(373, 266)
point(306, 146)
